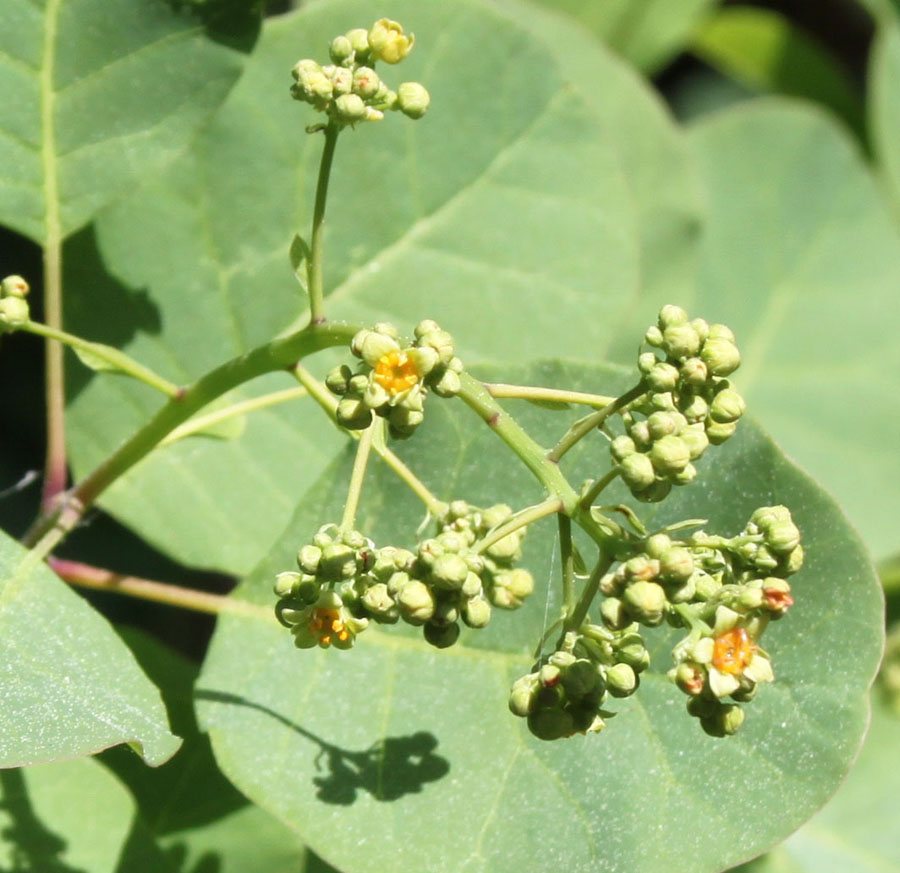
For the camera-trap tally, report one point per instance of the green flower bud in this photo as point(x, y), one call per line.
point(614, 614)
point(413, 99)
point(472, 586)
point(694, 372)
point(637, 471)
point(551, 724)
point(717, 433)
point(721, 356)
point(476, 612)
point(663, 377)
point(671, 315)
point(523, 695)
point(685, 476)
point(425, 326)
point(341, 80)
point(646, 362)
point(416, 602)
point(641, 568)
point(337, 562)
point(286, 583)
point(372, 345)
point(510, 588)
point(14, 286)
point(397, 581)
point(726, 721)
point(621, 447)
point(702, 327)
point(621, 680)
point(676, 565)
point(635, 655)
point(695, 438)
point(308, 559)
point(681, 341)
point(645, 602)
point(640, 433)
point(695, 409)
point(340, 49)
point(378, 601)
point(388, 43)
point(581, 679)
point(14, 313)
point(657, 491)
point(337, 380)
point(507, 549)
point(357, 385)
point(449, 571)
point(494, 515)
point(721, 331)
point(670, 454)
point(353, 414)
point(359, 41)
point(690, 678)
point(653, 337)
point(441, 636)
point(448, 385)
point(404, 421)
point(783, 537)
point(727, 406)
point(366, 82)
point(793, 562)
point(350, 108)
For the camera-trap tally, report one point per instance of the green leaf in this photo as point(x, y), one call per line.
point(398, 756)
point(885, 106)
point(765, 51)
point(196, 815)
point(857, 830)
point(70, 685)
point(649, 33)
point(560, 201)
point(801, 259)
point(98, 95)
point(72, 817)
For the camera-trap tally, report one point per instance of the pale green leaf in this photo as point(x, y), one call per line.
point(398, 756)
point(565, 204)
point(857, 830)
point(885, 106)
point(802, 260)
point(649, 33)
point(70, 685)
point(98, 95)
point(72, 817)
point(763, 50)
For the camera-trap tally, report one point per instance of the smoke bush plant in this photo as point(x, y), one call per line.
point(638, 601)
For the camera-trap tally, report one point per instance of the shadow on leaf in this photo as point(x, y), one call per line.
point(389, 769)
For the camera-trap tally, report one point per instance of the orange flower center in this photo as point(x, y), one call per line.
point(395, 372)
point(733, 651)
point(325, 624)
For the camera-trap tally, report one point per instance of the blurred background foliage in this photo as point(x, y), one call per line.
point(837, 57)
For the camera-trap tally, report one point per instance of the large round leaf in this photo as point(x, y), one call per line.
point(518, 200)
point(396, 755)
point(802, 260)
point(885, 105)
point(98, 95)
point(70, 685)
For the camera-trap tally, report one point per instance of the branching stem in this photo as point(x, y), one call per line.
point(315, 282)
point(575, 618)
point(567, 552)
point(360, 462)
point(547, 395)
point(518, 520)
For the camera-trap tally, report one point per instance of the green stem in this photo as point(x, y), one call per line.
point(590, 422)
point(588, 500)
point(548, 395)
point(354, 490)
point(87, 576)
point(534, 456)
point(279, 354)
point(576, 617)
point(200, 423)
point(326, 400)
point(567, 552)
point(315, 283)
point(519, 520)
point(117, 361)
point(692, 620)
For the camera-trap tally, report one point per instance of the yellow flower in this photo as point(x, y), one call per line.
point(388, 43)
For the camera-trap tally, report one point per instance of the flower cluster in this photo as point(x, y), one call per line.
point(565, 694)
point(393, 381)
point(688, 404)
point(344, 581)
point(348, 90)
point(744, 583)
point(14, 310)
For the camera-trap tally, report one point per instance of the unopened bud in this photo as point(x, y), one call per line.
point(413, 99)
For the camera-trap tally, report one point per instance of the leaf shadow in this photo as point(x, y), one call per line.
point(389, 769)
point(33, 845)
point(98, 306)
point(233, 23)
